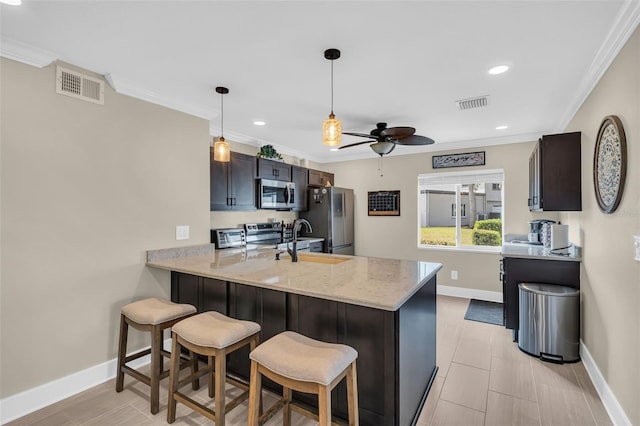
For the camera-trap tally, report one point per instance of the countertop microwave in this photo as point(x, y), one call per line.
point(275, 194)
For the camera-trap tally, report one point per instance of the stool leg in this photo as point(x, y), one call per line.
point(220, 380)
point(211, 377)
point(195, 383)
point(324, 405)
point(174, 370)
point(255, 388)
point(286, 410)
point(352, 394)
point(122, 352)
point(156, 360)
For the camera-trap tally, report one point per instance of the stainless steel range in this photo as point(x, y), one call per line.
point(263, 233)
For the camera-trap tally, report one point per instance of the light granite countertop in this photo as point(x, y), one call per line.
point(366, 281)
point(571, 254)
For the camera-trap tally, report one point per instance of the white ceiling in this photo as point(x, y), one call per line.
point(403, 62)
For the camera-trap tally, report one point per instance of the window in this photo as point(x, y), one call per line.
point(461, 209)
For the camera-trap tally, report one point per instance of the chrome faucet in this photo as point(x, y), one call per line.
point(297, 224)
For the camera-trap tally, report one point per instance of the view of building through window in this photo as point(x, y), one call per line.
point(461, 209)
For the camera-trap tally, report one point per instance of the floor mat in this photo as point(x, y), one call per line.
point(483, 311)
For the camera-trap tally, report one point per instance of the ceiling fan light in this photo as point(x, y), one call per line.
point(382, 148)
point(331, 131)
point(221, 150)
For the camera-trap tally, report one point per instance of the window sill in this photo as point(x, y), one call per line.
point(468, 249)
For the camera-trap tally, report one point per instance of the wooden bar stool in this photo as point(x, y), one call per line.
point(305, 365)
point(213, 335)
point(153, 315)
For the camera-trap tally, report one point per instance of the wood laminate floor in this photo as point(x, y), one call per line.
point(483, 379)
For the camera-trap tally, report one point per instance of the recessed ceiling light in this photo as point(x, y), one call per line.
point(499, 69)
point(333, 149)
point(12, 2)
point(502, 127)
point(259, 123)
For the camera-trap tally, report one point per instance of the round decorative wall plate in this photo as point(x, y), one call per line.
point(610, 164)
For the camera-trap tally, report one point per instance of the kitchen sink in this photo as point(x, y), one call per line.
point(321, 258)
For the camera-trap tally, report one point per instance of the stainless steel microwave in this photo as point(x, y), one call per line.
point(275, 194)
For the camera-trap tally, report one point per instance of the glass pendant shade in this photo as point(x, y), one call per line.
point(382, 148)
point(221, 150)
point(331, 131)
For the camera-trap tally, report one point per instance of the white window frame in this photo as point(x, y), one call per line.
point(460, 178)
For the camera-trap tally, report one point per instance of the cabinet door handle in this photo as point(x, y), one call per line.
point(529, 202)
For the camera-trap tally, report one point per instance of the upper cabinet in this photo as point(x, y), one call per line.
point(299, 177)
point(270, 169)
point(233, 184)
point(319, 178)
point(555, 174)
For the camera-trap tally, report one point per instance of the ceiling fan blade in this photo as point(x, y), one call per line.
point(355, 144)
point(416, 140)
point(398, 132)
point(362, 135)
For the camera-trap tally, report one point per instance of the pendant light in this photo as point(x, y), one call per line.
point(221, 149)
point(332, 127)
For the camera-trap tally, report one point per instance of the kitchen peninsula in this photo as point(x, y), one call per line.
point(384, 308)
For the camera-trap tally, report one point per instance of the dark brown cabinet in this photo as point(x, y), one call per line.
point(320, 178)
point(270, 169)
point(555, 174)
point(299, 176)
point(517, 270)
point(233, 184)
point(385, 340)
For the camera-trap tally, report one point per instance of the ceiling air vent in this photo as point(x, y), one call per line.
point(79, 86)
point(477, 102)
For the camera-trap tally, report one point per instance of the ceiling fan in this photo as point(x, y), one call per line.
point(384, 139)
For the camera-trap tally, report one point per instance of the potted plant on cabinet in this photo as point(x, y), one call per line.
point(268, 151)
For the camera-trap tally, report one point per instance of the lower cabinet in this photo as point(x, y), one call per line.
point(385, 340)
point(526, 270)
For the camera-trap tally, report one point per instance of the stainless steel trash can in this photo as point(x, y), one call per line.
point(549, 322)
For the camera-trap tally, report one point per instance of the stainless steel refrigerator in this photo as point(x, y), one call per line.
point(331, 217)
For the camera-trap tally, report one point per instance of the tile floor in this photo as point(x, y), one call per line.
point(483, 379)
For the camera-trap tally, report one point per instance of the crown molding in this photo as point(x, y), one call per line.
point(623, 27)
point(135, 90)
point(25, 53)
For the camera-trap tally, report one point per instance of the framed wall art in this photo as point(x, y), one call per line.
point(458, 160)
point(610, 164)
point(384, 203)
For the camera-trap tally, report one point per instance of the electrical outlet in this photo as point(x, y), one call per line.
point(636, 244)
point(182, 232)
point(454, 275)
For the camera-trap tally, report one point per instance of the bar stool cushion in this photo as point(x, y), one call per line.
point(298, 357)
point(215, 330)
point(154, 311)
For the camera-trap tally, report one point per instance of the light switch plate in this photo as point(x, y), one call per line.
point(182, 232)
point(636, 244)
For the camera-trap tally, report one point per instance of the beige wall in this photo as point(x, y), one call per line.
point(610, 277)
point(397, 237)
point(86, 189)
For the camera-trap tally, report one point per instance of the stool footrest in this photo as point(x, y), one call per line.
point(136, 374)
point(137, 355)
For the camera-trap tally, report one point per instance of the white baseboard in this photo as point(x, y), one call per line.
point(611, 404)
point(470, 293)
point(23, 403)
